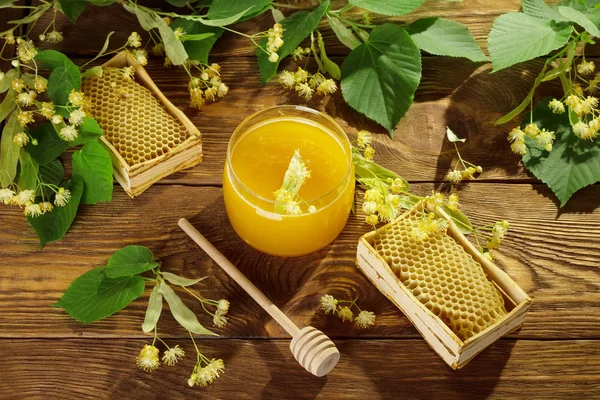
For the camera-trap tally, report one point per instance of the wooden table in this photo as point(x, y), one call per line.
point(552, 253)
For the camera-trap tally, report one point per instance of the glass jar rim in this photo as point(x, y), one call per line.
point(298, 108)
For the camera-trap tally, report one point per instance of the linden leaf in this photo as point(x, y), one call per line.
point(50, 174)
point(539, 9)
point(344, 34)
point(49, 144)
point(572, 164)
point(221, 9)
point(9, 151)
point(452, 136)
point(94, 296)
point(518, 37)
point(154, 310)
point(296, 28)
point(181, 281)
point(54, 225)
point(388, 7)
point(380, 77)
point(94, 166)
point(130, 260)
point(181, 312)
point(198, 50)
point(7, 105)
point(28, 175)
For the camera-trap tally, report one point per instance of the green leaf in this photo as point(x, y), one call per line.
point(344, 35)
point(217, 22)
point(51, 59)
point(106, 43)
point(92, 72)
point(173, 46)
point(452, 136)
point(388, 7)
point(572, 164)
point(539, 9)
point(72, 8)
point(146, 20)
point(54, 225)
point(33, 16)
point(7, 105)
point(49, 144)
point(462, 222)
point(94, 166)
point(221, 9)
point(443, 37)
point(181, 312)
point(198, 50)
point(9, 151)
point(93, 296)
point(330, 67)
point(153, 311)
point(518, 37)
point(198, 36)
point(296, 28)
point(130, 260)
point(89, 131)
point(5, 83)
point(580, 19)
point(29, 171)
point(52, 173)
point(181, 281)
point(369, 170)
point(380, 77)
point(61, 81)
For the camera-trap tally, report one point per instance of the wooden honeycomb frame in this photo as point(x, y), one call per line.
point(137, 177)
point(454, 351)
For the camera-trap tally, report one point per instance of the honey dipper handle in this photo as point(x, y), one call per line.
point(237, 276)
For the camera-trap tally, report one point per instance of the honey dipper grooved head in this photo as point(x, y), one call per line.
point(314, 351)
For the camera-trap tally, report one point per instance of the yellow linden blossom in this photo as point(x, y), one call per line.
point(454, 176)
point(364, 319)
point(173, 355)
point(25, 117)
point(363, 139)
point(134, 40)
point(47, 110)
point(328, 303)
point(40, 84)
point(148, 358)
point(55, 37)
point(6, 195)
point(586, 67)
point(556, 106)
point(76, 98)
point(21, 139)
point(345, 313)
point(62, 197)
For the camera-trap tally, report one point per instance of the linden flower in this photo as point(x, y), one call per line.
point(47, 110)
point(556, 106)
point(398, 186)
point(453, 202)
point(273, 57)
point(25, 117)
point(57, 119)
point(10, 39)
point(68, 133)
point(300, 75)
point(76, 117)
point(134, 40)
point(572, 100)
point(363, 139)
point(212, 371)
point(369, 207)
point(141, 56)
point(369, 153)
point(148, 358)
point(210, 93)
point(274, 41)
point(26, 51)
point(55, 37)
point(21, 139)
point(179, 33)
point(158, 50)
point(76, 98)
point(219, 319)
point(454, 176)
point(498, 232)
point(372, 219)
point(299, 53)
point(32, 209)
point(328, 303)
point(40, 84)
point(586, 67)
point(26, 99)
point(364, 319)
point(345, 313)
point(292, 208)
point(46, 207)
point(128, 72)
point(581, 130)
point(196, 98)
point(173, 355)
point(222, 90)
point(287, 79)
point(18, 84)
point(312, 209)
point(516, 135)
point(518, 147)
point(6, 195)
point(24, 197)
point(62, 197)
point(223, 305)
point(532, 130)
point(545, 139)
point(328, 86)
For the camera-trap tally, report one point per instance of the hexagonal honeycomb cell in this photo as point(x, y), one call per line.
point(132, 119)
point(441, 275)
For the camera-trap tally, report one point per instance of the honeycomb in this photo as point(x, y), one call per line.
point(132, 119)
point(442, 276)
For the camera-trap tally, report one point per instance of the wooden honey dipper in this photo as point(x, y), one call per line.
point(311, 347)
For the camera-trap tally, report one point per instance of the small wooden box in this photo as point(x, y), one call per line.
point(137, 176)
point(454, 351)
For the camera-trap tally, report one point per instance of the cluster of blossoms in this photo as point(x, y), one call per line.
point(274, 42)
point(135, 41)
point(330, 304)
point(27, 199)
point(498, 232)
point(205, 375)
point(287, 200)
point(463, 170)
point(544, 138)
point(430, 223)
point(207, 87)
point(306, 84)
point(148, 359)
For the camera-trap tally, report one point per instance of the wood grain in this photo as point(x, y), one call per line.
point(368, 369)
point(552, 255)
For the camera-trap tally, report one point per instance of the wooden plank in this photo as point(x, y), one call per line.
point(368, 369)
point(553, 255)
point(93, 25)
